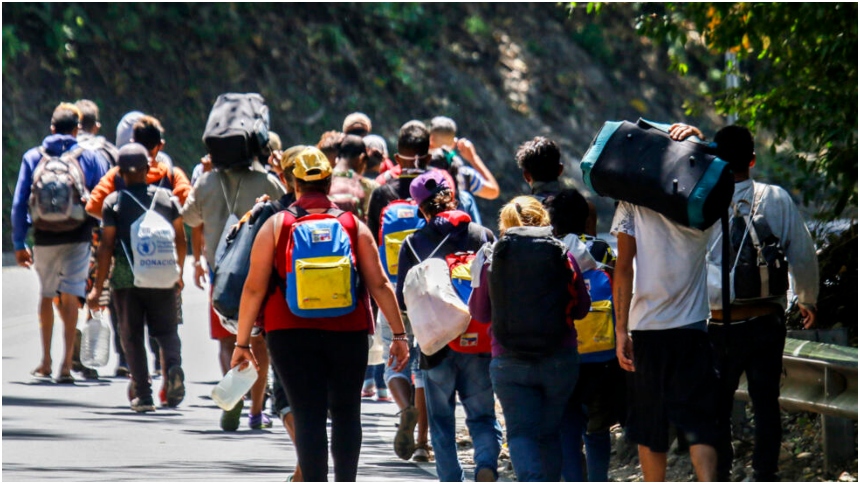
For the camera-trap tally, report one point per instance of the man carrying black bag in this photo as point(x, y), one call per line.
point(766, 226)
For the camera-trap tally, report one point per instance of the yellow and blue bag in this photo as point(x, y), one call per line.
point(398, 220)
point(321, 271)
point(595, 334)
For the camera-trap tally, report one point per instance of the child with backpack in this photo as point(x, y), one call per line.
point(143, 232)
point(312, 270)
point(462, 365)
point(531, 289)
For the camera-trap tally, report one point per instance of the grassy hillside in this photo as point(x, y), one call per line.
point(505, 72)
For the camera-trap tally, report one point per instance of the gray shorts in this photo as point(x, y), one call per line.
point(62, 268)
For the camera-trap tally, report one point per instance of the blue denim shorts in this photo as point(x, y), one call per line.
point(411, 367)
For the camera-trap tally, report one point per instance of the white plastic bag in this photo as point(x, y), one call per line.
point(437, 313)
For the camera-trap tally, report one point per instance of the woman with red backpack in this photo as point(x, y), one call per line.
point(463, 366)
point(318, 344)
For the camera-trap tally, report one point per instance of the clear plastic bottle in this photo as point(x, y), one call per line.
point(95, 340)
point(234, 386)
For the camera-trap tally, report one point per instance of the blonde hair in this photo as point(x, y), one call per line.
point(523, 211)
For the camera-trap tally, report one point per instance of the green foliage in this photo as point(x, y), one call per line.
point(476, 26)
point(798, 68)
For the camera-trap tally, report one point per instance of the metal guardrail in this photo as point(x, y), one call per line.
point(820, 378)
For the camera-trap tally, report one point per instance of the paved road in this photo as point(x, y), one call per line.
point(86, 432)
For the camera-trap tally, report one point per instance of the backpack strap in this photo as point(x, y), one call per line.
point(231, 207)
point(408, 243)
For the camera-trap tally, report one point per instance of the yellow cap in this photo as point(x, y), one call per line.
point(311, 164)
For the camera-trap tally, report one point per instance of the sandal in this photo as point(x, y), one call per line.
point(65, 379)
point(38, 374)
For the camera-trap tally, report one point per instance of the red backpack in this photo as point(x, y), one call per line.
point(476, 338)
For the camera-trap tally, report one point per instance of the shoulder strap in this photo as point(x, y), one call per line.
point(230, 206)
point(417, 258)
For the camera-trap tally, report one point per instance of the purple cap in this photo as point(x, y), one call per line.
point(426, 185)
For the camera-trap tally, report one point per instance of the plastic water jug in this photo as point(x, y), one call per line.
point(234, 386)
point(95, 340)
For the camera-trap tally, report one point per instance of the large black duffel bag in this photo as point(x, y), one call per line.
point(237, 129)
point(639, 163)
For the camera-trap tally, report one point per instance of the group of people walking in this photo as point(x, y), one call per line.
point(570, 337)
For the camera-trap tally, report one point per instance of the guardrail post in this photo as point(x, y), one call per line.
point(837, 433)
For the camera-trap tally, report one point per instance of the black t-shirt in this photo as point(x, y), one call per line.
point(120, 210)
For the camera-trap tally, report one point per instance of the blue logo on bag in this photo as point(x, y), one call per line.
point(145, 246)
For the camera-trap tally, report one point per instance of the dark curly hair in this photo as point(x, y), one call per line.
point(438, 203)
point(540, 157)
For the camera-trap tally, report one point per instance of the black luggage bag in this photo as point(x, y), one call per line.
point(639, 163)
point(237, 129)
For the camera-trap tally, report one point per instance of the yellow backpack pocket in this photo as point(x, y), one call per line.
point(324, 282)
point(596, 332)
point(393, 243)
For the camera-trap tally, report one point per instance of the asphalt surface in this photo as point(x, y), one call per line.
point(86, 431)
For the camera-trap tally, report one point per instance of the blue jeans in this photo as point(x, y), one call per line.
point(534, 394)
point(411, 370)
point(469, 376)
point(598, 447)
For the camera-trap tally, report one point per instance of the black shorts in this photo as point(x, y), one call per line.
point(674, 383)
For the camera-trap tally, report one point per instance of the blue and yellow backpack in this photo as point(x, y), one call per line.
point(397, 221)
point(320, 263)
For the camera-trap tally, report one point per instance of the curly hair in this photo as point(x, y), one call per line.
point(540, 157)
point(443, 201)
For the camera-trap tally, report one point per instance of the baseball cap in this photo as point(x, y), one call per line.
point(125, 128)
point(311, 164)
point(426, 185)
point(133, 158)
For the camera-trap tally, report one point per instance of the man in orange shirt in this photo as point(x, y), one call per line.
point(147, 130)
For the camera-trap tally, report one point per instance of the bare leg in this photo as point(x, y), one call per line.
point(258, 391)
point(423, 426)
point(225, 353)
point(69, 306)
point(401, 390)
point(290, 425)
point(653, 464)
point(704, 459)
point(46, 328)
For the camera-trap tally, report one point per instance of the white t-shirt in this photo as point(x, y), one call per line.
point(670, 281)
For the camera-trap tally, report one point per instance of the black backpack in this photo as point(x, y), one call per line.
point(529, 293)
point(237, 130)
point(760, 270)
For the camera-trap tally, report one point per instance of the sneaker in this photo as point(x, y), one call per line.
point(122, 371)
point(422, 453)
point(230, 418)
point(141, 405)
point(404, 439)
point(175, 386)
point(261, 421)
point(485, 474)
point(162, 396)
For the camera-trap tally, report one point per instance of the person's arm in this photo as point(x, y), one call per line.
point(370, 268)
point(103, 259)
point(799, 252)
point(490, 188)
point(254, 293)
point(181, 185)
point(19, 214)
point(192, 209)
point(95, 167)
point(622, 294)
point(181, 247)
point(480, 306)
point(583, 298)
point(98, 194)
point(374, 210)
point(197, 247)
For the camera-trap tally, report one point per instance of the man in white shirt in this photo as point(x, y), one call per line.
point(757, 328)
point(663, 305)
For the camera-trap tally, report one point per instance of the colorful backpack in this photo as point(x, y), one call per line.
point(476, 338)
point(320, 263)
point(397, 221)
point(59, 193)
point(595, 334)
